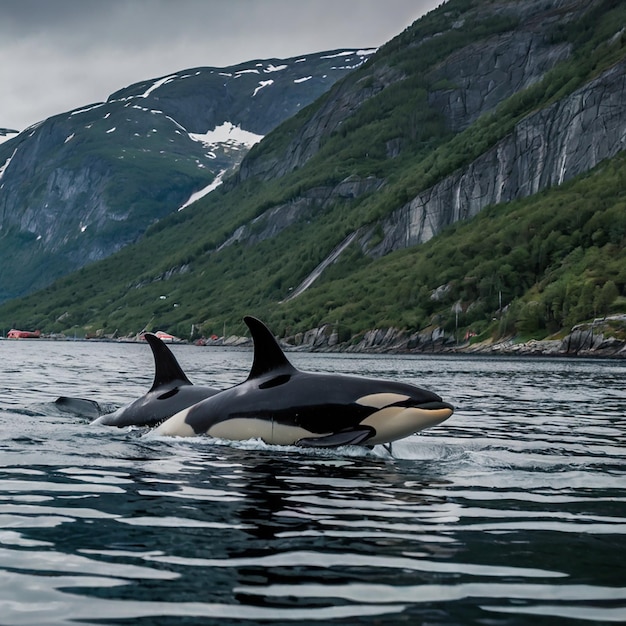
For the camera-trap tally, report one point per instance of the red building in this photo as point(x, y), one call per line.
point(23, 334)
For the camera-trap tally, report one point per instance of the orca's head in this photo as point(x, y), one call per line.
point(403, 412)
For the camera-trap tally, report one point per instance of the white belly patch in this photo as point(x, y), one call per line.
point(242, 428)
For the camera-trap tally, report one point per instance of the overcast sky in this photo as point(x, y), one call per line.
point(57, 55)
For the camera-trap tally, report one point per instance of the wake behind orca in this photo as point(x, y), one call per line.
point(171, 392)
point(282, 405)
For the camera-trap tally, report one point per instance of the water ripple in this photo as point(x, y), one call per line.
point(511, 512)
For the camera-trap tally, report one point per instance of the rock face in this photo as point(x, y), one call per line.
point(256, 95)
point(481, 75)
point(79, 186)
point(273, 221)
point(545, 149)
point(463, 86)
point(603, 337)
point(332, 112)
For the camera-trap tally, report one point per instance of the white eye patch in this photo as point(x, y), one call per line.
point(380, 400)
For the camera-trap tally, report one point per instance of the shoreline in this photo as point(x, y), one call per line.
point(530, 349)
point(601, 338)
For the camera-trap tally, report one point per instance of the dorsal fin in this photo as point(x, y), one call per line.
point(268, 355)
point(166, 367)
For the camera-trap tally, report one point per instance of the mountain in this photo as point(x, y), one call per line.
point(6, 134)
point(81, 185)
point(467, 181)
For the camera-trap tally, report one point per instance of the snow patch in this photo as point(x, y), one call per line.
point(111, 130)
point(171, 119)
point(227, 133)
point(274, 68)
point(156, 85)
point(262, 84)
point(69, 138)
point(240, 72)
point(6, 164)
point(345, 53)
point(203, 192)
point(303, 79)
point(85, 109)
point(33, 127)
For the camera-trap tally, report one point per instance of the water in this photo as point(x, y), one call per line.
point(512, 512)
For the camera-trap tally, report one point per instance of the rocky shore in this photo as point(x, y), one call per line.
point(603, 337)
point(600, 338)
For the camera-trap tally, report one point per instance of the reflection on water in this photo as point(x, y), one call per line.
point(512, 512)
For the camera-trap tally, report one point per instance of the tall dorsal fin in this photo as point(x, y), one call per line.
point(268, 355)
point(166, 367)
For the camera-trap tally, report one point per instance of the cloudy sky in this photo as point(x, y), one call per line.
point(56, 55)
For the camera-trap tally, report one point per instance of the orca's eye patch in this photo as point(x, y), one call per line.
point(382, 400)
point(275, 382)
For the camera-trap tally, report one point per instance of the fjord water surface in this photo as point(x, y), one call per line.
point(511, 512)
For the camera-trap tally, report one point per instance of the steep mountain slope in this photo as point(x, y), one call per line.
point(81, 185)
point(320, 226)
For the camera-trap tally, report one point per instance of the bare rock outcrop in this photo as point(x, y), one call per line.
point(545, 149)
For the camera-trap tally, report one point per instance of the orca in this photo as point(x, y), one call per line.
point(171, 392)
point(282, 405)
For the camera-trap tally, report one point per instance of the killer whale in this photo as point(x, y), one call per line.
point(282, 405)
point(171, 392)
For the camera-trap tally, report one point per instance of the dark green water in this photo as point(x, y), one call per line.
point(512, 512)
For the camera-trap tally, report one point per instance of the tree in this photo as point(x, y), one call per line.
point(605, 296)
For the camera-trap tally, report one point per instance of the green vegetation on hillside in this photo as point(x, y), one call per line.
point(534, 266)
point(551, 260)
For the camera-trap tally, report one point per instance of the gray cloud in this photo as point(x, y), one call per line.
point(56, 55)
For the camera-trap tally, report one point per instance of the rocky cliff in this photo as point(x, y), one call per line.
point(471, 81)
point(81, 185)
point(545, 149)
point(603, 337)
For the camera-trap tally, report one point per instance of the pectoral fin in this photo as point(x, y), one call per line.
point(352, 437)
